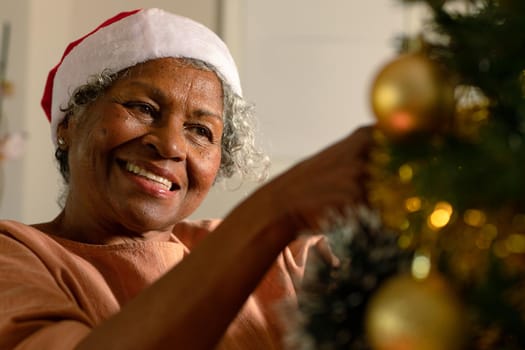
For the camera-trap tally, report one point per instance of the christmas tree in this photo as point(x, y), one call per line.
point(438, 260)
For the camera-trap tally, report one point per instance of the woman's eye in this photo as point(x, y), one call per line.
point(201, 131)
point(142, 107)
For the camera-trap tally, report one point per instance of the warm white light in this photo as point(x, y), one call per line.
point(421, 266)
point(440, 217)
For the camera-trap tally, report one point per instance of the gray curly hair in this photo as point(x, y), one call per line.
point(240, 155)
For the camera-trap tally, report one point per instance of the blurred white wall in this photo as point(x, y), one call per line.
point(307, 64)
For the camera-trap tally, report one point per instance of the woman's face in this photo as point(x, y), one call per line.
point(145, 154)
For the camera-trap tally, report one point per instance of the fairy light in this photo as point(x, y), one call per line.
point(421, 266)
point(440, 217)
point(474, 217)
point(413, 204)
point(405, 173)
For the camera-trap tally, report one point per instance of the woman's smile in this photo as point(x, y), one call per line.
point(135, 169)
point(151, 179)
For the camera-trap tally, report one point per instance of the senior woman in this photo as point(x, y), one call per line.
point(146, 114)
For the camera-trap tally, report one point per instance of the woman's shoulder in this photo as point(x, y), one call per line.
point(191, 232)
point(16, 236)
point(25, 245)
point(14, 229)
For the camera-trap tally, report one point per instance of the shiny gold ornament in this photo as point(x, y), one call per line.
point(411, 95)
point(410, 314)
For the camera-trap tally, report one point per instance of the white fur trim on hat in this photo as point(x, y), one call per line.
point(134, 38)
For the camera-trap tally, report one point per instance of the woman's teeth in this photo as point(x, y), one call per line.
point(135, 169)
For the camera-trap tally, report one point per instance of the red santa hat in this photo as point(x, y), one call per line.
point(125, 40)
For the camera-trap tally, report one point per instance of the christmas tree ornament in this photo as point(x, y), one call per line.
point(411, 95)
point(411, 314)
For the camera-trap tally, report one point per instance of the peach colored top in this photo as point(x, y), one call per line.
point(53, 291)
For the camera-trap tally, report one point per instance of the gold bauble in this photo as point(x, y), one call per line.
point(411, 95)
point(410, 314)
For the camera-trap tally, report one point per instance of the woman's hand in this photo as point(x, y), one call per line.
point(331, 180)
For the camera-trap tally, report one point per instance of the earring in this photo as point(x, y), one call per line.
point(61, 142)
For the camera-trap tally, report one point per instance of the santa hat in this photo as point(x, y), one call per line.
point(125, 40)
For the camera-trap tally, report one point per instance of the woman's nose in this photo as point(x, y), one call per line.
point(168, 140)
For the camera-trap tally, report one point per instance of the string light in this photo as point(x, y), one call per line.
point(421, 265)
point(440, 217)
point(413, 204)
point(474, 217)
